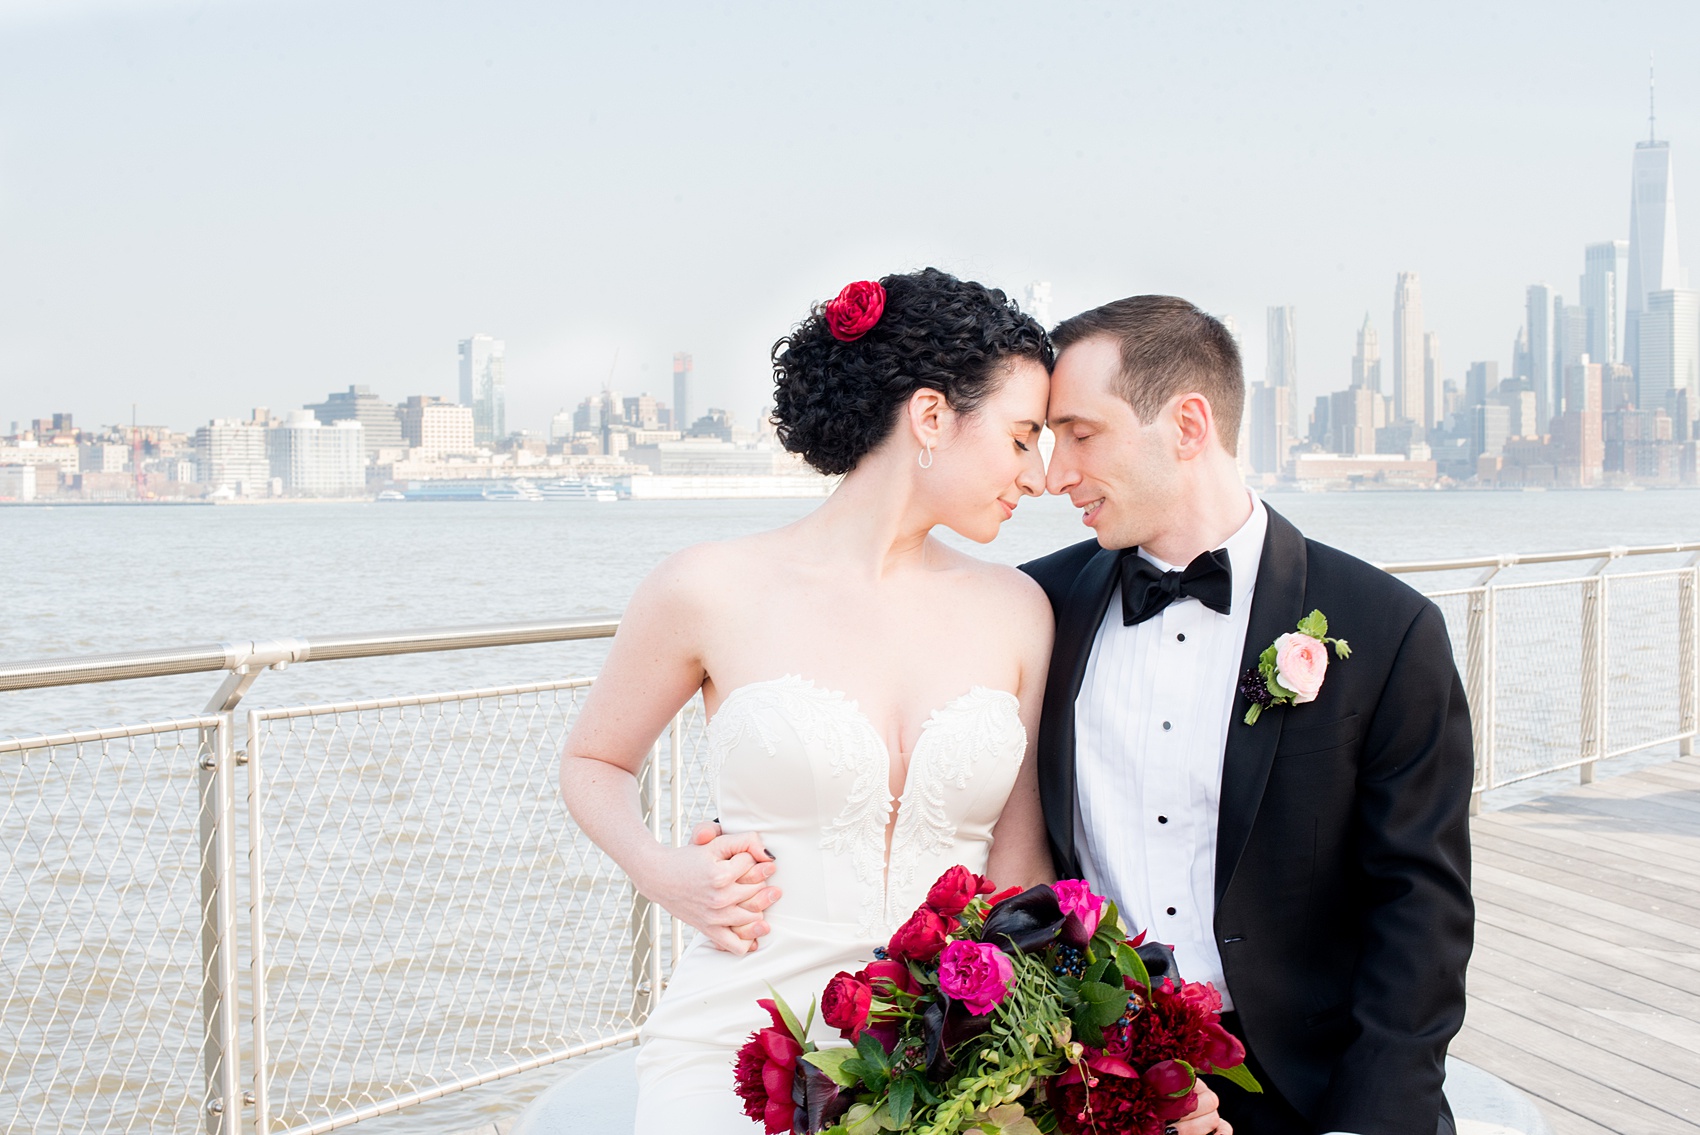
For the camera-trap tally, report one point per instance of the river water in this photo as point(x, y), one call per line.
point(86, 580)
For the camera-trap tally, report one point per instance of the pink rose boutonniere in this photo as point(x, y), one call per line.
point(1290, 669)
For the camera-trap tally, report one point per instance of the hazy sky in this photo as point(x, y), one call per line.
point(210, 206)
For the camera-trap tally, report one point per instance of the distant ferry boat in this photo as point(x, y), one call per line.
point(573, 489)
point(470, 490)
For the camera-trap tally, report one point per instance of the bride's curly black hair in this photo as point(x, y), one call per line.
point(834, 401)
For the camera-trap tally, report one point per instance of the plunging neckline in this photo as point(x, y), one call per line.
point(839, 697)
point(880, 844)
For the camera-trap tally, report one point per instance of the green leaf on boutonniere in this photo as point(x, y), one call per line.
point(1282, 693)
point(1266, 660)
point(1341, 650)
point(1315, 625)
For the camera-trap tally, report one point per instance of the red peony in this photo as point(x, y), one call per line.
point(922, 937)
point(955, 889)
point(845, 1004)
point(766, 1069)
point(1180, 1024)
point(1106, 1097)
point(855, 311)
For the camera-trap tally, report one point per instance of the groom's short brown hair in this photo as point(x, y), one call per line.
point(1168, 347)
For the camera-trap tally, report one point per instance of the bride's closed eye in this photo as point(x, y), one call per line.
point(1021, 445)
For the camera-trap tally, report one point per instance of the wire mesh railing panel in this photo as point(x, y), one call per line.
point(100, 940)
point(691, 781)
point(1644, 682)
point(431, 913)
point(1537, 714)
point(1455, 608)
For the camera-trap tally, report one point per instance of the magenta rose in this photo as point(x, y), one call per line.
point(978, 974)
point(955, 889)
point(1300, 663)
point(856, 309)
point(1082, 911)
point(922, 937)
point(845, 1004)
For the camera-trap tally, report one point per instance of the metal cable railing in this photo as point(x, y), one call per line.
point(292, 918)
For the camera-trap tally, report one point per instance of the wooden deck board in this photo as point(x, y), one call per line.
point(1585, 989)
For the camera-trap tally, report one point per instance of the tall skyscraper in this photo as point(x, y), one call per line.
point(1668, 378)
point(682, 419)
point(1601, 287)
point(1366, 362)
point(1481, 380)
point(1539, 327)
point(1408, 390)
point(1281, 368)
point(1434, 408)
point(484, 388)
point(1654, 264)
point(1569, 346)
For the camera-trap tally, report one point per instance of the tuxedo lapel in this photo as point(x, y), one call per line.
point(1077, 628)
point(1277, 605)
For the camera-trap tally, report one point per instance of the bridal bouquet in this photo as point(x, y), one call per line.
point(1016, 1013)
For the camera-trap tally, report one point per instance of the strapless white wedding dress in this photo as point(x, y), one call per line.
point(807, 769)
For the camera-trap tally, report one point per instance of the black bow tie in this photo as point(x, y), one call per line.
point(1146, 589)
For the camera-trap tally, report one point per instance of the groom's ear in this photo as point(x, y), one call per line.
point(1195, 425)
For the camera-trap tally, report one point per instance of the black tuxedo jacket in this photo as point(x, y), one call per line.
point(1343, 909)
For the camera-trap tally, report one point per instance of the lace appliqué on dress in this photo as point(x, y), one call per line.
point(958, 736)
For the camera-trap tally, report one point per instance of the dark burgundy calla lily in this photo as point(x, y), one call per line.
point(1159, 962)
point(944, 1025)
point(819, 1100)
point(1030, 921)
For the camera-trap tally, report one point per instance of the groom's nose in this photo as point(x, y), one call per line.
point(1060, 476)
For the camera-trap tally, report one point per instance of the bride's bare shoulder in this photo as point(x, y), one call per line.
point(1004, 588)
point(705, 573)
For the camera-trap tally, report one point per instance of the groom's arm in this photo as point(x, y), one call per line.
point(1417, 919)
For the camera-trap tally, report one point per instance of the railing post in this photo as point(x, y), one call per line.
point(1593, 722)
point(646, 916)
point(219, 1054)
point(1479, 688)
point(261, 1072)
point(1688, 673)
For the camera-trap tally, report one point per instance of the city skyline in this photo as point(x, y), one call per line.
point(184, 189)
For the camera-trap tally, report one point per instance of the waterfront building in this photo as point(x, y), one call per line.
point(231, 458)
point(1538, 309)
point(681, 391)
point(1579, 436)
point(1434, 388)
point(17, 482)
point(1654, 263)
point(562, 427)
point(1601, 289)
point(103, 457)
point(1366, 360)
point(1036, 301)
point(1408, 392)
point(1490, 428)
point(1270, 430)
point(1352, 420)
point(642, 412)
point(1517, 396)
point(314, 459)
point(1640, 447)
point(436, 428)
point(378, 419)
point(1334, 470)
point(483, 387)
point(1669, 375)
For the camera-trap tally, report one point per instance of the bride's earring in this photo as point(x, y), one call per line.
point(925, 458)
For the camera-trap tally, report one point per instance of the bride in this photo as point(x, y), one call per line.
point(872, 691)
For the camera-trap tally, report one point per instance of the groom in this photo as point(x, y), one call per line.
point(1314, 865)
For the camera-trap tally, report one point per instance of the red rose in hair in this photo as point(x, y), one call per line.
point(955, 889)
point(845, 1004)
point(922, 937)
point(767, 1067)
point(855, 311)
